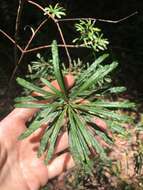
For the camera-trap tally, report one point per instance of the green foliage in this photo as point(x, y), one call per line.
point(138, 157)
point(78, 106)
point(90, 35)
point(40, 67)
point(57, 11)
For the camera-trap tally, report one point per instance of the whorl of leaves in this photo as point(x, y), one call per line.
point(66, 103)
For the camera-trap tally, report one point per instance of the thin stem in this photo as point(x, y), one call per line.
point(49, 46)
point(12, 40)
point(58, 26)
point(41, 8)
point(120, 20)
point(18, 18)
point(66, 49)
point(102, 20)
point(24, 51)
point(75, 19)
point(34, 33)
point(17, 29)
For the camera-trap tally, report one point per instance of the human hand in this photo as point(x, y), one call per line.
point(20, 168)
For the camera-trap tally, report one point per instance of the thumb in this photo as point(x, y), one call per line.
point(24, 114)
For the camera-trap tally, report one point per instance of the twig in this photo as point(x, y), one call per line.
point(12, 40)
point(58, 27)
point(120, 20)
point(41, 8)
point(59, 45)
point(66, 49)
point(17, 28)
point(102, 20)
point(24, 50)
point(35, 32)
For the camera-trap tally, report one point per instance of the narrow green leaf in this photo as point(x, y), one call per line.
point(90, 139)
point(103, 113)
point(96, 77)
point(92, 67)
point(33, 127)
point(57, 127)
point(29, 99)
point(104, 136)
point(25, 99)
point(33, 105)
point(33, 87)
point(56, 66)
point(124, 104)
point(57, 92)
point(116, 90)
point(80, 145)
point(44, 141)
point(73, 147)
point(98, 147)
point(116, 127)
point(75, 144)
point(37, 124)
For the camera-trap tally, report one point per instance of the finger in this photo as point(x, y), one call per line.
point(61, 144)
point(102, 125)
point(98, 138)
point(24, 114)
point(60, 164)
point(68, 80)
point(102, 142)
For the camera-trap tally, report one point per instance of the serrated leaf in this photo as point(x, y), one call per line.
point(37, 124)
point(57, 127)
point(117, 90)
point(57, 92)
point(117, 105)
point(104, 113)
point(55, 11)
point(25, 99)
point(33, 127)
point(104, 136)
point(116, 128)
point(96, 77)
point(75, 144)
point(33, 105)
point(90, 139)
point(44, 141)
point(33, 87)
point(56, 66)
point(78, 144)
point(92, 68)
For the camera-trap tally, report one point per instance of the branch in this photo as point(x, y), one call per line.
point(120, 20)
point(65, 46)
point(34, 33)
point(17, 28)
point(58, 26)
point(12, 40)
point(101, 20)
point(42, 9)
point(59, 45)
